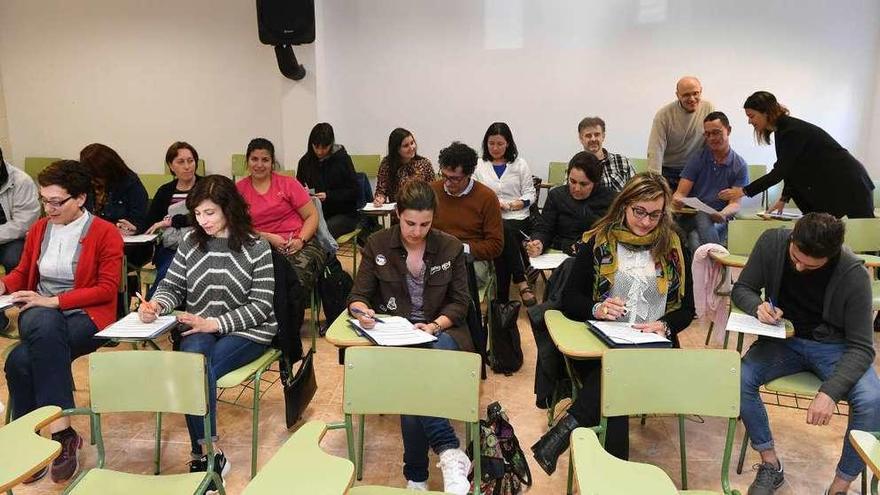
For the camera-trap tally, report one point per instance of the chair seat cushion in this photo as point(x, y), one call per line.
point(108, 482)
point(236, 377)
point(803, 383)
point(384, 490)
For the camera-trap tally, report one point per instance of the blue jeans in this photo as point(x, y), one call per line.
point(38, 370)
point(421, 432)
point(10, 254)
point(223, 353)
point(162, 258)
point(702, 230)
point(769, 359)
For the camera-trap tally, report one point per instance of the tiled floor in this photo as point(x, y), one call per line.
point(809, 453)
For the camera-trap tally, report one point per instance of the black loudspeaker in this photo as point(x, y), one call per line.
point(286, 22)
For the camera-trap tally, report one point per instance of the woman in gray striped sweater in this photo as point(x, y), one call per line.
point(223, 273)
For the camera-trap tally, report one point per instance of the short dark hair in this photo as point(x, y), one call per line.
point(591, 122)
point(321, 135)
point(416, 195)
point(220, 190)
point(587, 163)
point(819, 235)
point(70, 175)
point(718, 116)
point(171, 154)
point(261, 144)
point(457, 155)
point(503, 130)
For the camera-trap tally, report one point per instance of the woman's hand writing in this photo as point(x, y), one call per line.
point(148, 311)
point(611, 309)
point(363, 314)
point(379, 200)
point(534, 248)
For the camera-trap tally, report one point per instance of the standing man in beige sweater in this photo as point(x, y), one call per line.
point(678, 130)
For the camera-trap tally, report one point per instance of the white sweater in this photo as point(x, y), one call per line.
point(515, 183)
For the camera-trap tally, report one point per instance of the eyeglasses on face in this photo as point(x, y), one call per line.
point(55, 203)
point(451, 178)
point(641, 213)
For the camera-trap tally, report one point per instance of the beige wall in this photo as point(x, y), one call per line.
point(4, 128)
point(140, 75)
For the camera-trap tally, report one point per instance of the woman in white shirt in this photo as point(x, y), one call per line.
point(506, 173)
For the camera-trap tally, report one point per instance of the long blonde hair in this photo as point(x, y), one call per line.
point(646, 186)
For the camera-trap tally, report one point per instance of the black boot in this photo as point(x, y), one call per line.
point(550, 446)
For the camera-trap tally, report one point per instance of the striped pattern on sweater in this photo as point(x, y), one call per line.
point(234, 287)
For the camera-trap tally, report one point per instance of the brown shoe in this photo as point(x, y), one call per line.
point(37, 476)
point(66, 465)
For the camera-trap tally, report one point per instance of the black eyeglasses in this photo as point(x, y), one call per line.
point(642, 213)
point(55, 203)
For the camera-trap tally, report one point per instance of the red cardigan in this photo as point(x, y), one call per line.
point(97, 277)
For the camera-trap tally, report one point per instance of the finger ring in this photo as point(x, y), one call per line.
point(604, 311)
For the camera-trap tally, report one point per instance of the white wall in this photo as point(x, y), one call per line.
point(446, 70)
point(4, 127)
point(139, 75)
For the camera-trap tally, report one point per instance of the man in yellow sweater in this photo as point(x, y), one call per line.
point(467, 209)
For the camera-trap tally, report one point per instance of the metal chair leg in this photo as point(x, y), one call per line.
point(681, 448)
point(158, 453)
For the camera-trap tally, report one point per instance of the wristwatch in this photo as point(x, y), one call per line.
point(666, 330)
point(437, 326)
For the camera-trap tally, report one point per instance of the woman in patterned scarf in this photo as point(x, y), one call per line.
point(631, 267)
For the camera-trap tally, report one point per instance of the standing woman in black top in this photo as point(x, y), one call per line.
point(327, 170)
point(820, 175)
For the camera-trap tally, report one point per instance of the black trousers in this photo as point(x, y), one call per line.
point(587, 408)
point(510, 265)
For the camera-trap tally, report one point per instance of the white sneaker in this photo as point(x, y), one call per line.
point(455, 466)
point(417, 486)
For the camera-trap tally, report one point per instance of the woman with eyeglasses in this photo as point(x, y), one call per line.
point(631, 267)
point(820, 175)
point(509, 176)
point(401, 165)
point(67, 283)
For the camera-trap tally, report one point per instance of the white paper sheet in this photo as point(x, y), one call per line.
point(698, 205)
point(139, 239)
point(548, 261)
point(6, 301)
point(743, 323)
point(785, 215)
point(623, 333)
point(395, 331)
point(131, 327)
point(386, 207)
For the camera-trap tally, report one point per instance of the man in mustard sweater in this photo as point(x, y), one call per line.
point(467, 209)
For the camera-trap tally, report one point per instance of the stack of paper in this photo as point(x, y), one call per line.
point(623, 333)
point(393, 331)
point(131, 327)
point(548, 261)
point(386, 207)
point(743, 323)
point(138, 239)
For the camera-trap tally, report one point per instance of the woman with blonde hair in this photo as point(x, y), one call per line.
point(631, 268)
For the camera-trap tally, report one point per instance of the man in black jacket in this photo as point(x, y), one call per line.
point(811, 279)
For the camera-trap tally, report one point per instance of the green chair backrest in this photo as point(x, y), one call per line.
point(863, 234)
point(33, 165)
point(200, 168)
point(368, 164)
point(556, 173)
point(639, 164)
point(600, 472)
point(876, 194)
point(422, 382)
point(705, 382)
point(743, 234)
point(148, 381)
point(239, 165)
point(301, 462)
point(152, 182)
point(757, 171)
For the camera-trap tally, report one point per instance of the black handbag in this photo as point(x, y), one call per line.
point(299, 389)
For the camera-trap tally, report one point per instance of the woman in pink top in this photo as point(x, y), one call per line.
point(282, 213)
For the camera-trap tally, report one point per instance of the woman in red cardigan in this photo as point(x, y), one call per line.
point(66, 284)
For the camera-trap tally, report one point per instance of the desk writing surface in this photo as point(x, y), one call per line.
point(870, 260)
point(341, 334)
point(573, 338)
point(734, 260)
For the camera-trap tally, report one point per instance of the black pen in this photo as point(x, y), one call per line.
point(362, 312)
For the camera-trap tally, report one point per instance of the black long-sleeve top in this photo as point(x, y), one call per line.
point(333, 175)
point(565, 219)
point(578, 302)
point(820, 175)
point(161, 202)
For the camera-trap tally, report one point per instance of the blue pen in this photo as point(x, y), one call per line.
point(361, 312)
point(772, 306)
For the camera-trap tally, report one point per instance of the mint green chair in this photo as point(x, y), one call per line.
point(368, 164)
point(33, 165)
point(348, 247)
point(556, 173)
point(200, 168)
point(152, 182)
point(868, 447)
point(706, 382)
point(639, 164)
point(301, 466)
point(598, 471)
point(239, 165)
point(166, 381)
point(392, 380)
point(24, 451)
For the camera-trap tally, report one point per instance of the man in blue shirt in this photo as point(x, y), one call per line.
point(707, 172)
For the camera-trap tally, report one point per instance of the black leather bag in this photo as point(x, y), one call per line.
point(299, 389)
point(505, 349)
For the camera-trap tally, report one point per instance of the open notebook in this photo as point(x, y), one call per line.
point(393, 331)
point(622, 334)
point(131, 327)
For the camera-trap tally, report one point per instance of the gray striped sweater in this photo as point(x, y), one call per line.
point(236, 288)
